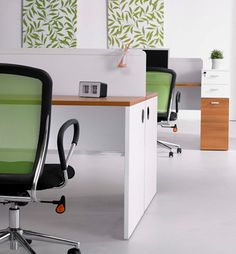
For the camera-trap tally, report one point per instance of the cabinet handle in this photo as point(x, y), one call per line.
point(214, 76)
point(142, 115)
point(215, 103)
point(148, 113)
point(214, 89)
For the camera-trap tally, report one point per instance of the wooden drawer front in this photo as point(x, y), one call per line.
point(214, 124)
point(215, 91)
point(215, 77)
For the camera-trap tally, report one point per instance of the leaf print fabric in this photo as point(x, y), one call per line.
point(49, 23)
point(138, 22)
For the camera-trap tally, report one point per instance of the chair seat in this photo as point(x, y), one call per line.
point(173, 116)
point(49, 179)
point(52, 176)
point(162, 117)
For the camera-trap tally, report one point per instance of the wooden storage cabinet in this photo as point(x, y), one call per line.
point(214, 123)
point(215, 93)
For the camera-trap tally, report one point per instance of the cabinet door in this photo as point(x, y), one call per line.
point(150, 150)
point(134, 167)
point(214, 124)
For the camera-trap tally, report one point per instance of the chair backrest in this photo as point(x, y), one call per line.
point(161, 81)
point(25, 107)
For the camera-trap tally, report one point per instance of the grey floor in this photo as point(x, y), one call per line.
point(193, 212)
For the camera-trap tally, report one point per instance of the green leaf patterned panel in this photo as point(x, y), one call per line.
point(138, 22)
point(49, 23)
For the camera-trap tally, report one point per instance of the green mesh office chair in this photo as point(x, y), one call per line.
point(162, 81)
point(25, 108)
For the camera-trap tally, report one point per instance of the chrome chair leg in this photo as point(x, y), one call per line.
point(159, 142)
point(48, 238)
point(13, 241)
point(168, 144)
point(18, 236)
point(4, 237)
point(20, 239)
point(171, 144)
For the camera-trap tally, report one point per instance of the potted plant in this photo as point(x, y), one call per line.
point(217, 59)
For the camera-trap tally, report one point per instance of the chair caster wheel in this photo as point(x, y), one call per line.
point(179, 150)
point(74, 251)
point(28, 241)
point(171, 154)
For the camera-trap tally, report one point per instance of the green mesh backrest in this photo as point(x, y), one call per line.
point(160, 82)
point(20, 112)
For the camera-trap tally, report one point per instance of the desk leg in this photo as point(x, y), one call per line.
point(134, 167)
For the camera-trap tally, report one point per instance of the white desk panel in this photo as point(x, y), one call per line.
point(127, 129)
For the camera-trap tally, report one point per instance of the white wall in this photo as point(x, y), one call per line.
point(10, 23)
point(92, 18)
point(194, 28)
point(233, 63)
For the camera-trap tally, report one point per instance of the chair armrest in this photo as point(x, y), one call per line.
point(177, 101)
point(60, 140)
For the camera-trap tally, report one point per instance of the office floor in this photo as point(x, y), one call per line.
point(193, 212)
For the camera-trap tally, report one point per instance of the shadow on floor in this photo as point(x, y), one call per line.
point(186, 141)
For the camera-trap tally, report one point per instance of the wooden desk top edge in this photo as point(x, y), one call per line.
point(192, 84)
point(68, 100)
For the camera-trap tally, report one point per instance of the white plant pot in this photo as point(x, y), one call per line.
point(217, 64)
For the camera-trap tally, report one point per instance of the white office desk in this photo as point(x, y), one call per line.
point(124, 124)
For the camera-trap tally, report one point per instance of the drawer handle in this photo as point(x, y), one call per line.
point(214, 89)
point(213, 76)
point(142, 115)
point(215, 103)
point(148, 113)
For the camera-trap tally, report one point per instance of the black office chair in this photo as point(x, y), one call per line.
point(162, 81)
point(25, 112)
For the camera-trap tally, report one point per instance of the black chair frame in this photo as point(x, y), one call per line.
point(18, 190)
point(164, 119)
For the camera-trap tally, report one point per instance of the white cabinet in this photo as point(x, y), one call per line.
point(134, 165)
point(215, 84)
point(140, 161)
point(128, 126)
